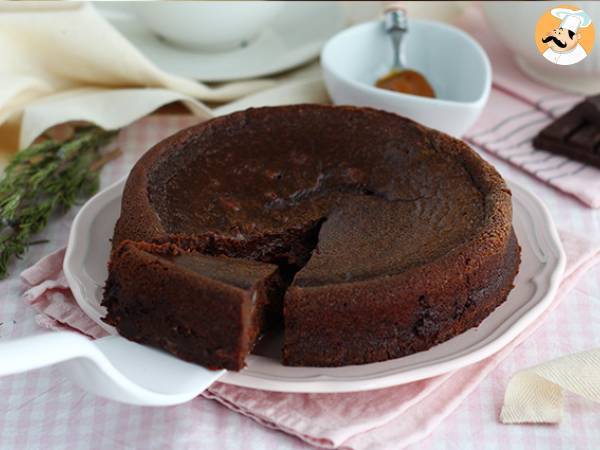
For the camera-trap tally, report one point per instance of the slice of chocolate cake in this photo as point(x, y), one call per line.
point(206, 309)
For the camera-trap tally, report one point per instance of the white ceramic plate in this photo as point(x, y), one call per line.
point(295, 37)
point(541, 269)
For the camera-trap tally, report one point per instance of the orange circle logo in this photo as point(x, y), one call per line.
point(565, 35)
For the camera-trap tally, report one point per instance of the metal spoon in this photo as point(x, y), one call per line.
point(400, 78)
point(396, 25)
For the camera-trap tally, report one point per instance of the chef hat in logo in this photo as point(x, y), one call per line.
point(571, 20)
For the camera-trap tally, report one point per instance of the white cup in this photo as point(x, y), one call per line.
point(208, 25)
point(514, 23)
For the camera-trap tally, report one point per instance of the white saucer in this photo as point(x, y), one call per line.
point(541, 270)
point(295, 37)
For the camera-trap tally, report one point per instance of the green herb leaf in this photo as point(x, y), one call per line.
point(45, 178)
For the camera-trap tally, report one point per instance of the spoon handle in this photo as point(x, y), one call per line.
point(396, 25)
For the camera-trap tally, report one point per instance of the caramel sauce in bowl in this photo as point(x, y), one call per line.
point(406, 81)
point(454, 64)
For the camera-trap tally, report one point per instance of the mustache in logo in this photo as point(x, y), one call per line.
point(556, 41)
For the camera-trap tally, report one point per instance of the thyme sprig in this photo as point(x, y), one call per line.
point(43, 179)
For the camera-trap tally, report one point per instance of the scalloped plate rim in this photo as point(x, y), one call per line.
point(540, 232)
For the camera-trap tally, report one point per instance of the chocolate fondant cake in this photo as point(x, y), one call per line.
point(366, 235)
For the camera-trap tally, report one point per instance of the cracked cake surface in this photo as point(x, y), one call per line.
point(366, 236)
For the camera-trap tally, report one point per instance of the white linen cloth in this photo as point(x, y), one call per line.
point(535, 395)
point(52, 70)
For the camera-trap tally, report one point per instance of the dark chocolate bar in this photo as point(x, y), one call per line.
point(575, 134)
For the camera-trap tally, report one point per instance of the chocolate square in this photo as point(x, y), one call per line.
point(575, 134)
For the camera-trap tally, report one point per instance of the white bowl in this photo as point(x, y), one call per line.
point(583, 77)
point(207, 25)
point(454, 63)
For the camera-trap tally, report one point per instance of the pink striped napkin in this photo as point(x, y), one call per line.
point(386, 418)
point(518, 109)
